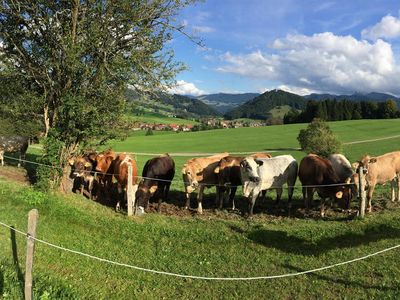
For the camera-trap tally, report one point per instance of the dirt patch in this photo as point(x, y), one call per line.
point(19, 175)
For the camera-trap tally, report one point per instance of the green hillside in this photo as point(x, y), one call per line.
point(260, 107)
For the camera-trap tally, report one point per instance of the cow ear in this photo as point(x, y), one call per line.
point(183, 171)
point(153, 188)
point(372, 160)
point(339, 195)
point(348, 180)
point(88, 164)
point(355, 165)
point(259, 162)
point(71, 161)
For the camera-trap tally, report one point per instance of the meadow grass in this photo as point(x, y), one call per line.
point(221, 244)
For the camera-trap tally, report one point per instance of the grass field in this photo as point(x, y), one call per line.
point(221, 244)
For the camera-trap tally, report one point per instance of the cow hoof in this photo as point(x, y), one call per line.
point(140, 211)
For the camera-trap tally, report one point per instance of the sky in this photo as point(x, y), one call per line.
point(304, 47)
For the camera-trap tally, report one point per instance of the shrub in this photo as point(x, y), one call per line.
point(318, 138)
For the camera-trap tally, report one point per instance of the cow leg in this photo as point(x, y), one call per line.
point(166, 191)
point(2, 158)
point(264, 193)
point(278, 195)
point(309, 197)
point(200, 199)
point(369, 197)
point(398, 187)
point(159, 194)
point(290, 195)
point(219, 196)
point(252, 201)
point(393, 185)
point(187, 205)
point(322, 211)
point(232, 197)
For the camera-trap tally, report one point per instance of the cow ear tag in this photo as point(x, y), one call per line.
point(87, 164)
point(339, 195)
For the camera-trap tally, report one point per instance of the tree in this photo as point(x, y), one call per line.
point(72, 61)
point(318, 138)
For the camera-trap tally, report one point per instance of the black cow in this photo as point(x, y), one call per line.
point(13, 144)
point(157, 174)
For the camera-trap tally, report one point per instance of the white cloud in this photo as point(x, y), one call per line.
point(203, 29)
point(321, 62)
point(186, 88)
point(388, 27)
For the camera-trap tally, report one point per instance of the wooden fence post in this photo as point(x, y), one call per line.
point(361, 192)
point(32, 222)
point(129, 191)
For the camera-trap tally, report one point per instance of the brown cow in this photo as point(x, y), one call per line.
point(119, 167)
point(379, 170)
point(314, 171)
point(198, 173)
point(103, 162)
point(82, 172)
point(228, 172)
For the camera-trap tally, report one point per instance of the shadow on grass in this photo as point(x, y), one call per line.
point(345, 282)
point(29, 166)
point(20, 276)
point(280, 240)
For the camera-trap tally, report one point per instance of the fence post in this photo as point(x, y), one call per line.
point(129, 191)
point(361, 192)
point(32, 221)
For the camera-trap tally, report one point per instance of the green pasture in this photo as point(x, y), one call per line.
point(199, 245)
point(217, 244)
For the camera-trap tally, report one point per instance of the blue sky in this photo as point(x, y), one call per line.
point(300, 46)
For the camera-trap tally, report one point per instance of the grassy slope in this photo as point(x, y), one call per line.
point(207, 245)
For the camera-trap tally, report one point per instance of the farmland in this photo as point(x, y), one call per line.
point(217, 244)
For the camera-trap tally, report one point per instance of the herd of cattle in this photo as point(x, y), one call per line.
point(332, 178)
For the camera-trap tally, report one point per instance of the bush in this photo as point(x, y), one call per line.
point(318, 138)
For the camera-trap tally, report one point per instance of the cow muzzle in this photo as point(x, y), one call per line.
point(255, 179)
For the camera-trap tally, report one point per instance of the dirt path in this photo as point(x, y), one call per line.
point(19, 175)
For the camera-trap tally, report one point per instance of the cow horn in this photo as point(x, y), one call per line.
point(339, 195)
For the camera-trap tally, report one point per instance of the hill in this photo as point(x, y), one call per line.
point(223, 102)
point(168, 105)
point(260, 107)
point(356, 97)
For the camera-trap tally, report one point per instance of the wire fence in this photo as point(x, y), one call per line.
point(208, 278)
point(186, 183)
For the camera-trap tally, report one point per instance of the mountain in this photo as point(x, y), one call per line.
point(223, 102)
point(170, 105)
point(358, 97)
point(261, 106)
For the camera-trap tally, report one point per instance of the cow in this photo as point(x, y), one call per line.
point(228, 172)
point(198, 173)
point(103, 162)
point(157, 176)
point(316, 171)
point(344, 171)
point(82, 170)
point(379, 170)
point(13, 144)
point(260, 174)
point(119, 168)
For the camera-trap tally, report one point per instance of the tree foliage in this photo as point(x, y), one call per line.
point(68, 63)
point(319, 139)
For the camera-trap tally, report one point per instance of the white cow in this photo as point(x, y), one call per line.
point(262, 174)
point(344, 170)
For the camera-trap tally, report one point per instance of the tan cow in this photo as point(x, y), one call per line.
point(198, 173)
point(379, 170)
point(228, 172)
point(119, 168)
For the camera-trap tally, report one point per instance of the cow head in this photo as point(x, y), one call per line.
point(365, 162)
point(144, 192)
point(192, 174)
point(249, 172)
point(79, 166)
point(103, 161)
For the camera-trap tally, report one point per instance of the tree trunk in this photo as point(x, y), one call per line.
point(46, 121)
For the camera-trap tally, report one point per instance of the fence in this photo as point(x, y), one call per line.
point(131, 190)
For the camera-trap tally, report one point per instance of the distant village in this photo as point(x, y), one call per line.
point(204, 124)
